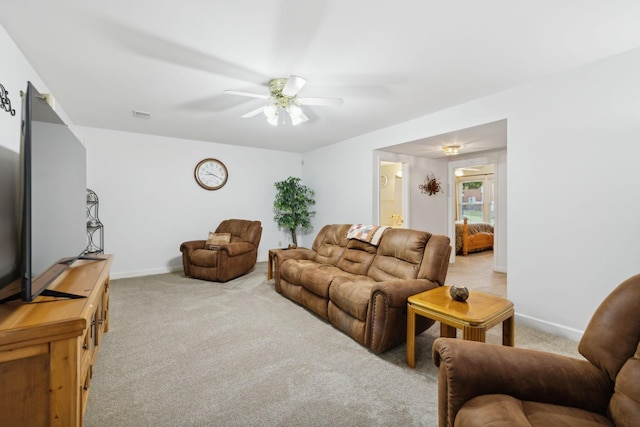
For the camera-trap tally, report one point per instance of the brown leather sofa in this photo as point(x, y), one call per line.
point(362, 289)
point(227, 261)
point(484, 384)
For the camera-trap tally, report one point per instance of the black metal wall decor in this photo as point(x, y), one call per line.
point(6, 102)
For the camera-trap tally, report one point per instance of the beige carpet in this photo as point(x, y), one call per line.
point(185, 352)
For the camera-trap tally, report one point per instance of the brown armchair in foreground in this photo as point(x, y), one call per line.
point(483, 384)
point(228, 260)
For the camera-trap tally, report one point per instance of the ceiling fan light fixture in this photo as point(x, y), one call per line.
point(451, 150)
point(283, 96)
point(272, 112)
point(273, 121)
point(294, 111)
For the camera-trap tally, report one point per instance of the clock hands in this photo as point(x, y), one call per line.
point(209, 173)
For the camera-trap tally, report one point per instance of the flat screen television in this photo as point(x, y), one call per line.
point(52, 194)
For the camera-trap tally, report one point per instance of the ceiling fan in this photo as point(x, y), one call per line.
point(283, 96)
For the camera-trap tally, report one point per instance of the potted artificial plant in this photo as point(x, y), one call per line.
point(292, 206)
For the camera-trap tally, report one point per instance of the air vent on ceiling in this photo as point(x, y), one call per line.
point(141, 114)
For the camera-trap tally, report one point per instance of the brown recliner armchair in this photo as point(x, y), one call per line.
point(484, 384)
point(225, 261)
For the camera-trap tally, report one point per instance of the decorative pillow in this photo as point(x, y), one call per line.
point(217, 239)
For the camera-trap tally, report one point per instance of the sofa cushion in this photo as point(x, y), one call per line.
point(330, 243)
point(241, 230)
point(291, 269)
point(501, 410)
point(352, 296)
point(216, 239)
point(357, 257)
point(399, 255)
point(203, 258)
point(319, 278)
point(625, 402)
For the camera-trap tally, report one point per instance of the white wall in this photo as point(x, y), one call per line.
point(572, 155)
point(428, 213)
point(150, 202)
point(15, 71)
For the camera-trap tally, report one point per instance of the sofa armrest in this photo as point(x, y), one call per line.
point(283, 255)
point(397, 291)
point(387, 313)
point(297, 253)
point(192, 245)
point(187, 248)
point(469, 369)
point(236, 248)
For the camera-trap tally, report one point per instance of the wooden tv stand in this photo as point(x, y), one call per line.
point(48, 348)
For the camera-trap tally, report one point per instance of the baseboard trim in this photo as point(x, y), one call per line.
point(549, 327)
point(150, 272)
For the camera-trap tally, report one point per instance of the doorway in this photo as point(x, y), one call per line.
point(391, 194)
point(484, 144)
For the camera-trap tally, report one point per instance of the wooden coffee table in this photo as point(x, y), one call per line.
point(475, 316)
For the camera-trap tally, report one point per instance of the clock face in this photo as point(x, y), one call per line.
point(211, 174)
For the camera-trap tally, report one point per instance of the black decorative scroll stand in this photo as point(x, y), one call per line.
point(6, 102)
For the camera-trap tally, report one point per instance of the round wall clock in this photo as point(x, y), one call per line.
point(383, 181)
point(211, 174)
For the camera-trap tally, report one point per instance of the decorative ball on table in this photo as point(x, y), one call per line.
point(459, 293)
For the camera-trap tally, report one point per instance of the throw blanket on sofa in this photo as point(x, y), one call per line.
point(367, 233)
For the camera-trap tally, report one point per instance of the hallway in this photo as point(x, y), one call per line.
point(475, 271)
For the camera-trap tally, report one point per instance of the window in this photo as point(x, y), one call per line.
point(475, 199)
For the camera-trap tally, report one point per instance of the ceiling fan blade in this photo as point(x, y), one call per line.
point(252, 95)
point(327, 102)
point(293, 85)
point(253, 113)
point(301, 118)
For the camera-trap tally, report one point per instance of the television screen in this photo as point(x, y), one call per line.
point(52, 196)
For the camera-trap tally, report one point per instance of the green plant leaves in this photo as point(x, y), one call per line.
point(291, 205)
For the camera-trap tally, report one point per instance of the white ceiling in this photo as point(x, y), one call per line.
point(390, 61)
point(486, 137)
